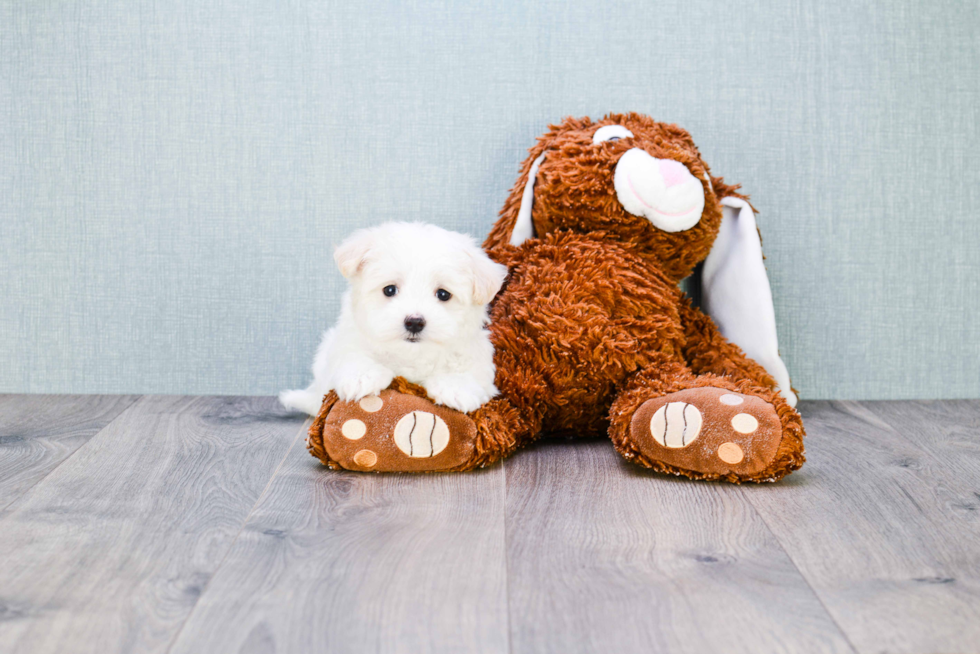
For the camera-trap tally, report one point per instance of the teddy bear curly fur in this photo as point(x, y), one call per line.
point(592, 335)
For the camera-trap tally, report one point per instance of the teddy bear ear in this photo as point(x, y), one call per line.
point(515, 225)
point(735, 291)
point(524, 226)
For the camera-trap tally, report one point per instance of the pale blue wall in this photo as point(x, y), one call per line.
point(174, 174)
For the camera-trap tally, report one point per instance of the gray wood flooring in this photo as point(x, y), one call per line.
point(201, 524)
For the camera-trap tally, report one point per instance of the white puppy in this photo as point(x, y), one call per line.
point(416, 308)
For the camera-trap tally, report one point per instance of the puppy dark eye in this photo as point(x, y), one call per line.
point(390, 290)
point(443, 295)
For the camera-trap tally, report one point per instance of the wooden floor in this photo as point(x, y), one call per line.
point(201, 524)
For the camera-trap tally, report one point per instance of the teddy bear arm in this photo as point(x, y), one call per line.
point(706, 350)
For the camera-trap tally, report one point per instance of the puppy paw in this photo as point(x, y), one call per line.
point(457, 391)
point(352, 383)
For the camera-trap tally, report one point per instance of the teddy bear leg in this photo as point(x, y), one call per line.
point(705, 426)
point(401, 430)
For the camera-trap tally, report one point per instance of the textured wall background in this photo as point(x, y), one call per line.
point(173, 175)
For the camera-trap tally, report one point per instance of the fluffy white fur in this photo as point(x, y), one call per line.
point(451, 357)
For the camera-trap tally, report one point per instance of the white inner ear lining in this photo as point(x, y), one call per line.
point(523, 226)
point(607, 132)
point(735, 292)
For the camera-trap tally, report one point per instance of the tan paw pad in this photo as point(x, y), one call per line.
point(366, 458)
point(730, 399)
point(730, 453)
point(743, 423)
point(676, 424)
point(353, 429)
point(371, 403)
point(421, 434)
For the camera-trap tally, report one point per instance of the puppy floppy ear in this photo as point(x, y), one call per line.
point(353, 251)
point(735, 291)
point(487, 276)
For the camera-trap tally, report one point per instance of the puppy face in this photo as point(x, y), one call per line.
point(414, 284)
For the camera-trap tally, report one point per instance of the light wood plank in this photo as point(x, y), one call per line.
point(38, 432)
point(605, 556)
point(949, 432)
point(110, 552)
point(885, 526)
point(348, 562)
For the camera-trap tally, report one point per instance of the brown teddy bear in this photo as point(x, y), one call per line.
point(592, 334)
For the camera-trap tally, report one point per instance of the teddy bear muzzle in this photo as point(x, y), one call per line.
point(661, 190)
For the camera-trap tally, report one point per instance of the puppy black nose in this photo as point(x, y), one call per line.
point(414, 324)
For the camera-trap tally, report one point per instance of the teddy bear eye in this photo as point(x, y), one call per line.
point(390, 290)
point(610, 133)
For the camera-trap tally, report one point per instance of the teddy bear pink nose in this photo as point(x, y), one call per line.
point(673, 172)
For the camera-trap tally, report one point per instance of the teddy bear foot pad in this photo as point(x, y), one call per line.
point(708, 430)
point(394, 432)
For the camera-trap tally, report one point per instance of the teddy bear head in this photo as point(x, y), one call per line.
point(643, 185)
point(626, 178)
